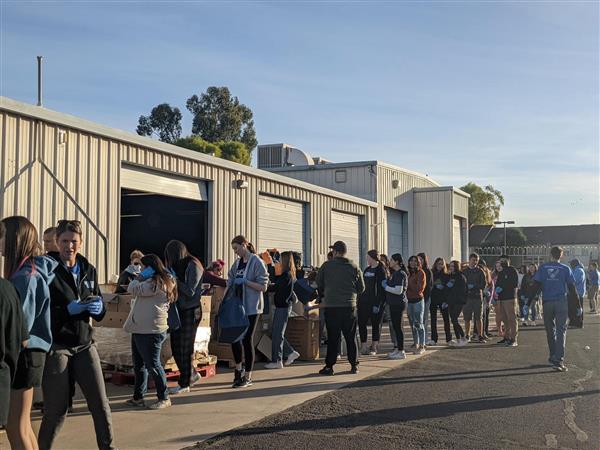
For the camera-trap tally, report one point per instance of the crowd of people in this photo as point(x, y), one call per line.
point(49, 296)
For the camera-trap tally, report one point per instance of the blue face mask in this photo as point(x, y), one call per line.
point(148, 272)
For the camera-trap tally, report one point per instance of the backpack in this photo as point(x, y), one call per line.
point(233, 321)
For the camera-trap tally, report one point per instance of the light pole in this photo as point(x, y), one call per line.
point(504, 222)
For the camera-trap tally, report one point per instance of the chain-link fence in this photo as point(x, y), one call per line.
point(538, 254)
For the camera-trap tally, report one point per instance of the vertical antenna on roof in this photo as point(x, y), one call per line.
point(39, 79)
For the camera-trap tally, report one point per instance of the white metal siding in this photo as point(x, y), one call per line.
point(461, 205)
point(346, 227)
point(397, 232)
point(456, 239)
point(281, 224)
point(147, 181)
point(433, 223)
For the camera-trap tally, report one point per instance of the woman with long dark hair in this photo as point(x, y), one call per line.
point(154, 290)
point(438, 299)
point(427, 293)
point(284, 297)
point(188, 272)
point(371, 303)
point(31, 275)
point(456, 299)
point(529, 295)
point(395, 289)
point(416, 304)
point(249, 276)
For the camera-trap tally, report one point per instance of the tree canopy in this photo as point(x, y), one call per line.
point(484, 205)
point(164, 121)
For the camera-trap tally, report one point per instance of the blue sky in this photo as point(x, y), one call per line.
point(501, 93)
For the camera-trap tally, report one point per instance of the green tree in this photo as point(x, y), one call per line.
point(484, 205)
point(220, 117)
point(198, 144)
point(515, 237)
point(164, 121)
point(235, 151)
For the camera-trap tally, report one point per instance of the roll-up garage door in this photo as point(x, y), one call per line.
point(149, 181)
point(347, 228)
point(281, 224)
point(457, 240)
point(397, 232)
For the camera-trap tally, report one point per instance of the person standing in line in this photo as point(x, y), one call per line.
point(340, 281)
point(386, 310)
point(556, 282)
point(487, 298)
point(416, 304)
point(155, 291)
point(439, 301)
point(187, 271)
point(529, 295)
point(507, 284)
point(395, 289)
point(31, 275)
point(284, 298)
point(456, 298)
point(520, 274)
point(473, 310)
point(594, 283)
point(426, 294)
point(74, 299)
point(250, 277)
point(580, 277)
point(49, 240)
point(13, 336)
point(130, 272)
point(371, 303)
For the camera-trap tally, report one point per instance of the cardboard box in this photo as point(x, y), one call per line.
point(303, 335)
point(217, 298)
point(112, 320)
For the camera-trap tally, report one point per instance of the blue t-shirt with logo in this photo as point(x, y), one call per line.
point(554, 277)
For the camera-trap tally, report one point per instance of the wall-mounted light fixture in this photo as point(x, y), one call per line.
point(241, 184)
point(395, 184)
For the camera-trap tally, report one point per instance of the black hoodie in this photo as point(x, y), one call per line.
point(67, 330)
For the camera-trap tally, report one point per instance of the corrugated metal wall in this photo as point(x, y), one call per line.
point(76, 175)
point(461, 205)
point(433, 223)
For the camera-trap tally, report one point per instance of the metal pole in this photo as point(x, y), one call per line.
point(39, 60)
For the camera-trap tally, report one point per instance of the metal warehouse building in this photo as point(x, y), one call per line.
point(414, 213)
point(133, 192)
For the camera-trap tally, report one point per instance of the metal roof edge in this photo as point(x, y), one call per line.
point(37, 112)
point(443, 188)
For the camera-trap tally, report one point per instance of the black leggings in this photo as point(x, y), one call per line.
point(455, 311)
point(365, 312)
point(244, 349)
point(396, 311)
point(445, 316)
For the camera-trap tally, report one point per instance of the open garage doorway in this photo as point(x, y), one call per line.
point(156, 209)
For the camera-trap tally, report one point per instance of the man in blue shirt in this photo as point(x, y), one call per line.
point(593, 277)
point(579, 276)
point(556, 282)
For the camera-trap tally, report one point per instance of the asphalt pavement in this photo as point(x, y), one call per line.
point(482, 396)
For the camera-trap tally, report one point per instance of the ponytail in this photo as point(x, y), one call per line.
point(241, 240)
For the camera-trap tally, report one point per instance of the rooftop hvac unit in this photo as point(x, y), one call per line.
point(282, 155)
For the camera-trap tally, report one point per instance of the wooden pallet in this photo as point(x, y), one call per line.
point(128, 378)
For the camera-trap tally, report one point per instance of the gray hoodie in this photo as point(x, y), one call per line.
point(256, 271)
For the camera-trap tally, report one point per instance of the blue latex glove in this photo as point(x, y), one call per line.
point(470, 285)
point(239, 281)
point(579, 312)
point(76, 307)
point(450, 284)
point(95, 307)
point(375, 309)
point(444, 305)
point(384, 284)
point(147, 273)
point(498, 290)
point(439, 286)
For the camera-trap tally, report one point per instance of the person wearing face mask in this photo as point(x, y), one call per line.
point(129, 274)
point(155, 291)
point(506, 287)
point(249, 276)
point(74, 299)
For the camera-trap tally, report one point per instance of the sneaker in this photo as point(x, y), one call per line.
point(196, 377)
point(291, 358)
point(482, 340)
point(560, 367)
point(242, 382)
point(397, 355)
point(462, 342)
point(512, 344)
point(274, 365)
point(452, 343)
point(138, 403)
point(392, 353)
point(178, 390)
point(503, 341)
point(419, 351)
point(160, 404)
point(373, 350)
point(474, 338)
point(354, 370)
point(328, 371)
point(431, 342)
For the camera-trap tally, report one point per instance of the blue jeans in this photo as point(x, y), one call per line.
point(145, 349)
point(415, 317)
point(281, 348)
point(556, 315)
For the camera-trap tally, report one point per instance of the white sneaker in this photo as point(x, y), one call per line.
point(397, 355)
point(431, 342)
point(178, 390)
point(453, 343)
point(196, 377)
point(462, 342)
point(419, 351)
point(291, 358)
point(274, 365)
point(160, 404)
